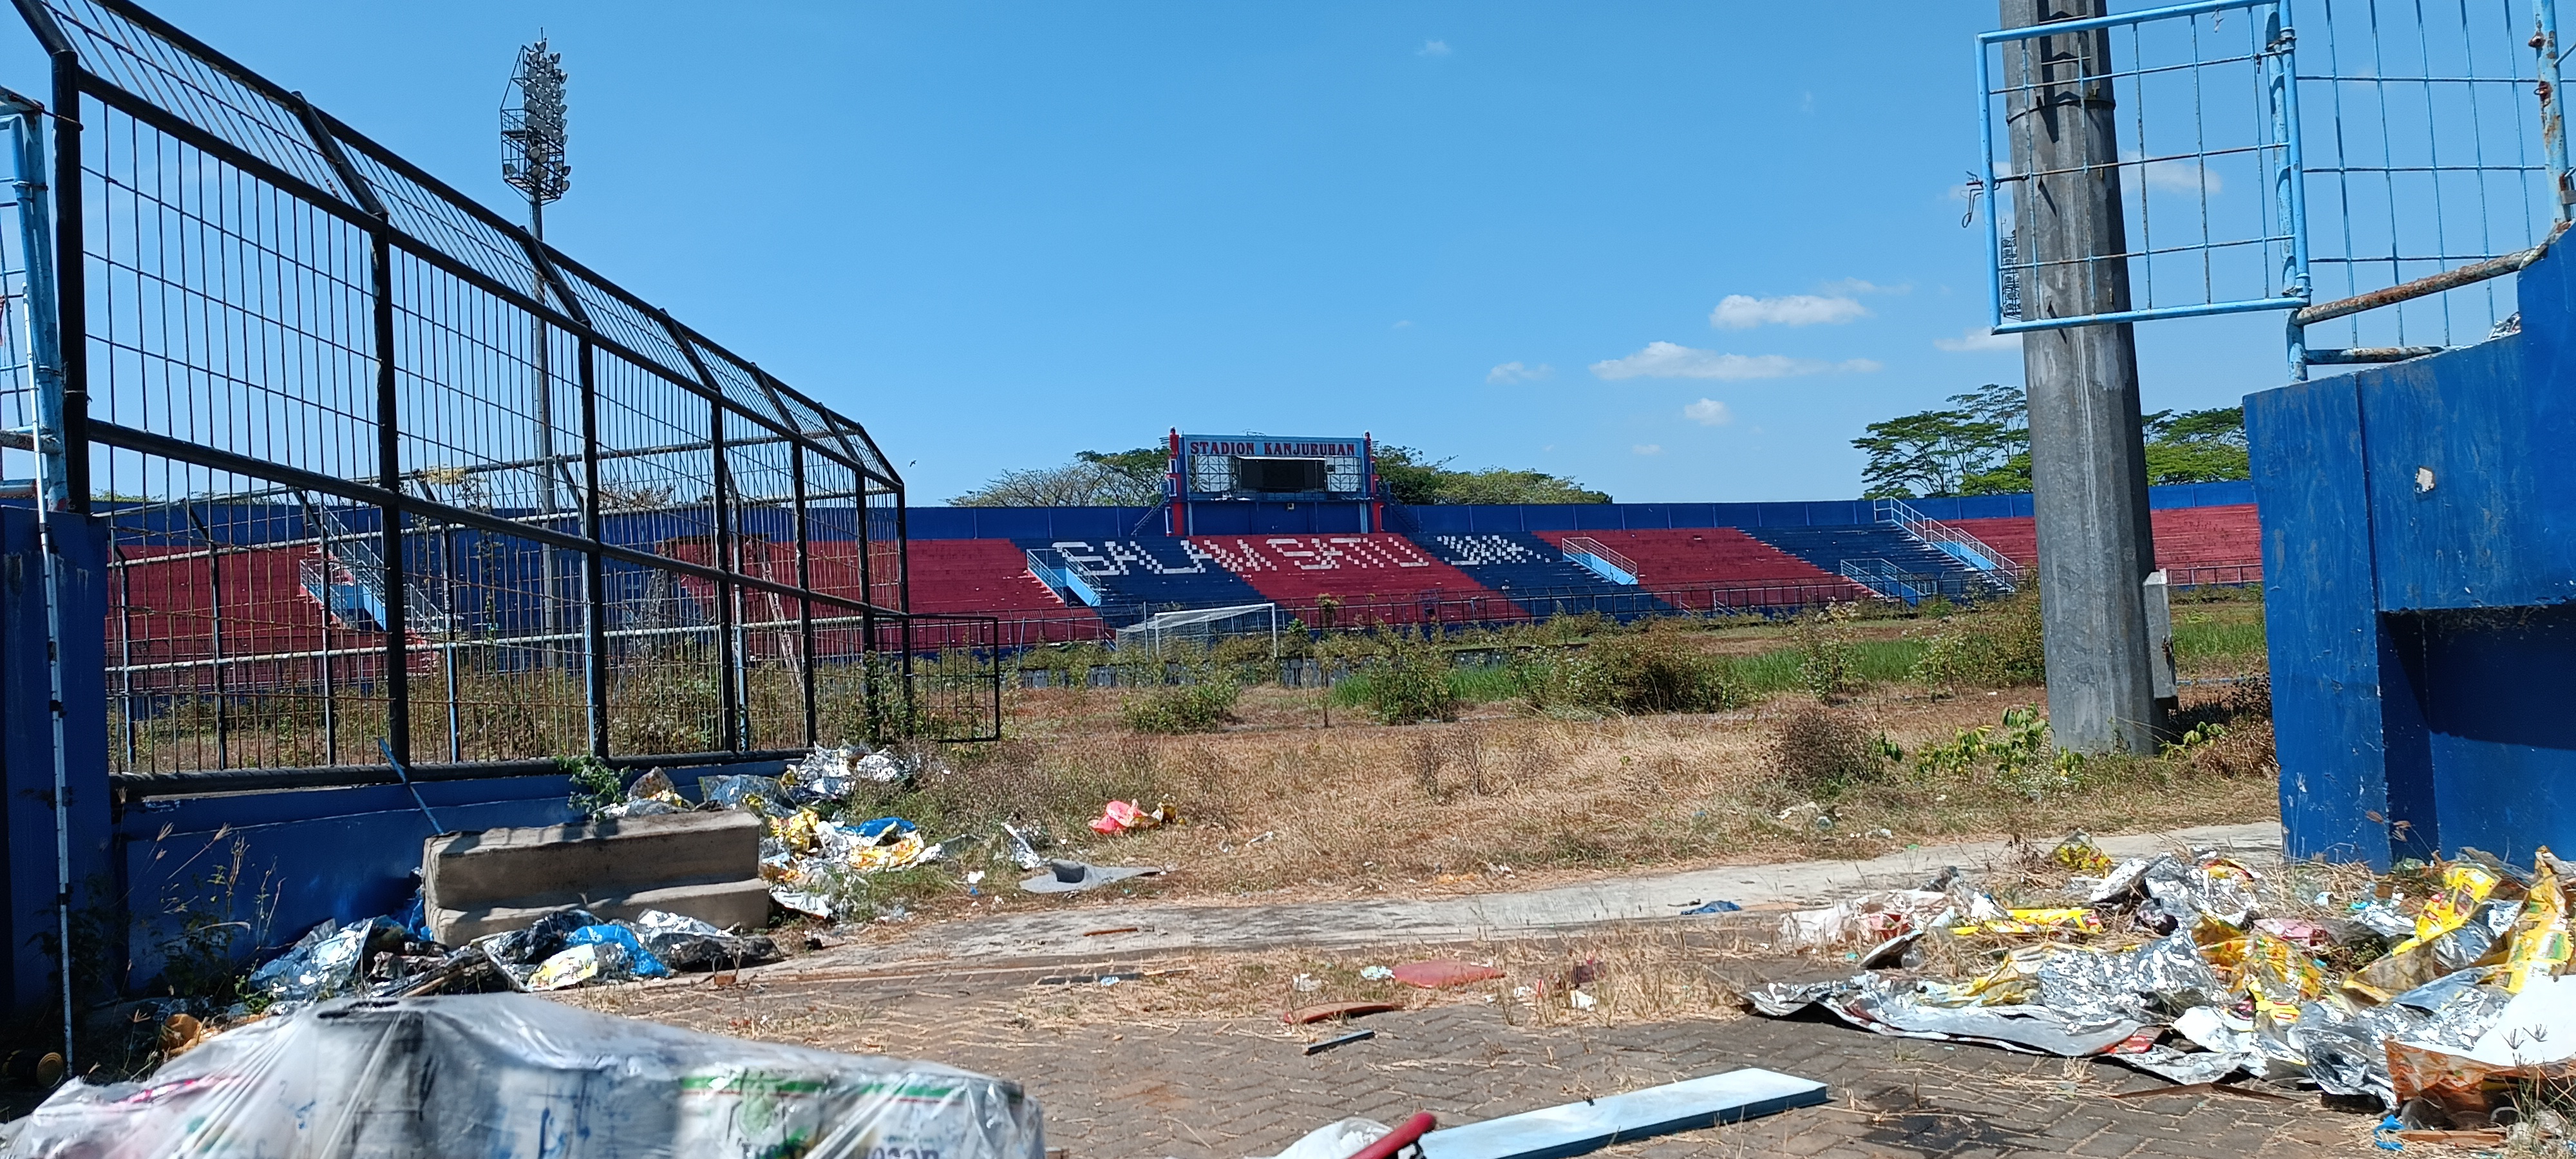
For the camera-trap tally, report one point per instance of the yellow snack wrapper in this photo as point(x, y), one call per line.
point(2037, 921)
point(2539, 944)
point(2078, 853)
point(2464, 886)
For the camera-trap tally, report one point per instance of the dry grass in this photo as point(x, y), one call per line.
point(1359, 809)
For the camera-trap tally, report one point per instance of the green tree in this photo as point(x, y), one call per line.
point(1093, 479)
point(2197, 446)
point(1413, 478)
point(1979, 445)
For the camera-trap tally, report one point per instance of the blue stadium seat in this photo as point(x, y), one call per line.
point(1535, 574)
point(1139, 577)
point(1829, 547)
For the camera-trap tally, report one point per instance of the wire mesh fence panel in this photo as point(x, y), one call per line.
point(2374, 167)
point(2425, 152)
point(2194, 97)
point(385, 473)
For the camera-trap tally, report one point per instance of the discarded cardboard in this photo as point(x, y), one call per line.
point(1438, 974)
point(700, 865)
point(1306, 1014)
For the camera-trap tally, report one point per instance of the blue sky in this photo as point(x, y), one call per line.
point(1678, 251)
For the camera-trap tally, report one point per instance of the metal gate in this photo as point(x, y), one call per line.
point(391, 480)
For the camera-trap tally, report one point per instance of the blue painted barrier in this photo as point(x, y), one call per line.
point(280, 863)
point(2419, 549)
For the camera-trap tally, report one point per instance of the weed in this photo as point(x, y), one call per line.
point(1203, 700)
point(595, 786)
point(1821, 753)
point(1410, 683)
point(2015, 756)
point(1825, 662)
point(226, 918)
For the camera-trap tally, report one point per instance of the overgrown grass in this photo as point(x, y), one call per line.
point(2218, 635)
point(1783, 669)
point(1471, 685)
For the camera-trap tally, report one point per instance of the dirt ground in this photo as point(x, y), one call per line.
point(1194, 1059)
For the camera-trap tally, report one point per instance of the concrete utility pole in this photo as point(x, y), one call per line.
point(2088, 459)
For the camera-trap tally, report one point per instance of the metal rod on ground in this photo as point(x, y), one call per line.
point(405, 774)
point(2088, 459)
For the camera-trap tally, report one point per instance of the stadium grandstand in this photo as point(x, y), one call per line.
point(1300, 525)
point(1304, 525)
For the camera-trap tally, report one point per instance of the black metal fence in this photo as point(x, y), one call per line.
point(388, 477)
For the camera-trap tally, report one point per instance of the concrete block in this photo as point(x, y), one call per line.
point(701, 865)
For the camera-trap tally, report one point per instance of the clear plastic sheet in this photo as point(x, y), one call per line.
point(516, 1075)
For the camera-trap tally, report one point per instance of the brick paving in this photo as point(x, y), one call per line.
point(1226, 1089)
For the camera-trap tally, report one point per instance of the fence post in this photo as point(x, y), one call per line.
point(2088, 458)
point(594, 569)
point(389, 476)
point(594, 636)
point(805, 583)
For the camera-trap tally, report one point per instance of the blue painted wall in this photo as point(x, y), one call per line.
point(341, 854)
point(29, 920)
point(2419, 544)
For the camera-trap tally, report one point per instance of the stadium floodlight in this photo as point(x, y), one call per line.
point(533, 131)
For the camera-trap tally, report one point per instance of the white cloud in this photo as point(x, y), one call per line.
point(1648, 448)
point(1403, 324)
point(1708, 412)
point(2175, 174)
point(1433, 48)
point(1976, 338)
point(1855, 286)
point(1743, 311)
point(1519, 372)
point(1673, 360)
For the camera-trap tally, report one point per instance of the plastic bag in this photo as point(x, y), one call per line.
point(762, 795)
point(517, 1075)
point(685, 943)
point(1337, 1140)
point(1128, 816)
point(327, 962)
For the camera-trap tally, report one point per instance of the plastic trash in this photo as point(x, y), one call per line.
point(1337, 1140)
point(1076, 876)
point(762, 795)
point(1869, 919)
point(685, 943)
point(518, 1075)
point(327, 962)
point(1024, 852)
point(1714, 907)
point(1127, 817)
point(2470, 995)
point(651, 794)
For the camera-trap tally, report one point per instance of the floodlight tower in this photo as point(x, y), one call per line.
point(532, 161)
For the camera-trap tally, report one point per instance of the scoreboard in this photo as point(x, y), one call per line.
point(1218, 468)
point(1280, 469)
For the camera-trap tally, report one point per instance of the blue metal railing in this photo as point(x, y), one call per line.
point(1051, 569)
point(1600, 560)
point(1992, 565)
